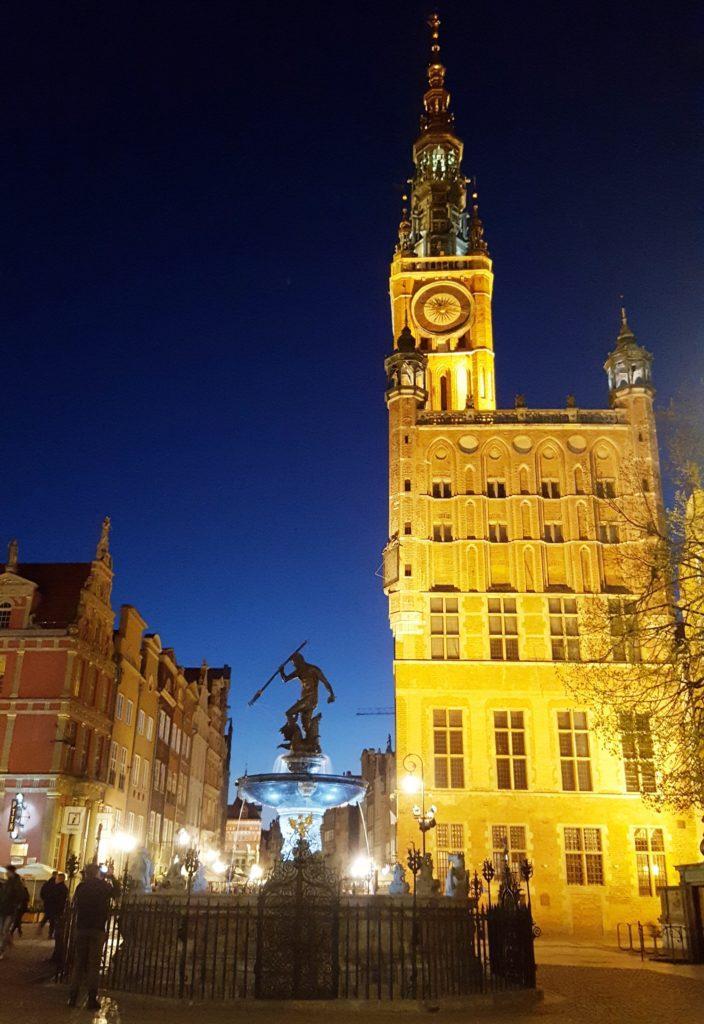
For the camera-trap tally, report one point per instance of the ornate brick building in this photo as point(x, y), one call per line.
point(501, 540)
point(105, 741)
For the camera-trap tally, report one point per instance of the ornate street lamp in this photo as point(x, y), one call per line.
point(414, 782)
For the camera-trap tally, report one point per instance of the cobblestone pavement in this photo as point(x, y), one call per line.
point(574, 994)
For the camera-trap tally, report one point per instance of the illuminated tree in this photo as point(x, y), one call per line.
point(644, 640)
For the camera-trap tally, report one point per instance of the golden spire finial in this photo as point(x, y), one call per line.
point(434, 26)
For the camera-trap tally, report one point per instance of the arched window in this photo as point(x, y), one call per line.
point(579, 487)
point(525, 520)
point(5, 609)
point(444, 392)
point(586, 570)
point(523, 484)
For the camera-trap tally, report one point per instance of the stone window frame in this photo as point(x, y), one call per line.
point(584, 855)
point(510, 749)
point(448, 748)
point(574, 740)
point(502, 617)
point(444, 628)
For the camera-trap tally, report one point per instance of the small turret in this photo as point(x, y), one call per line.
point(405, 370)
point(629, 365)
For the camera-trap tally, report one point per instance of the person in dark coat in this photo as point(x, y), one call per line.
point(11, 896)
point(92, 902)
point(21, 911)
point(61, 907)
point(46, 893)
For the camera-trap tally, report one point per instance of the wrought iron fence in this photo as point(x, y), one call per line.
point(315, 944)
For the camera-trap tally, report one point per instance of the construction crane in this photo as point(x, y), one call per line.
point(376, 711)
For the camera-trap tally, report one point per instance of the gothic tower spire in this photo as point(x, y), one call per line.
point(441, 275)
point(439, 190)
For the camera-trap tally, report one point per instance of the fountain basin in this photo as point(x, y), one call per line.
point(302, 791)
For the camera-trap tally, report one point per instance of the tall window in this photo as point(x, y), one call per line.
point(552, 533)
point(448, 748)
point(98, 752)
point(444, 628)
point(511, 838)
point(608, 533)
point(119, 706)
point(69, 745)
point(498, 533)
point(510, 739)
point(637, 748)
point(449, 839)
point(650, 860)
point(503, 629)
point(150, 727)
point(130, 822)
point(625, 644)
point(444, 392)
point(136, 768)
point(496, 488)
point(122, 768)
point(605, 488)
point(140, 722)
point(441, 489)
point(5, 610)
point(575, 759)
point(145, 773)
point(91, 681)
point(86, 734)
point(128, 712)
point(550, 488)
point(564, 634)
point(112, 770)
point(150, 827)
point(584, 860)
point(442, 531)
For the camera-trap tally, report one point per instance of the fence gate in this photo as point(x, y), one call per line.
point(297, 932)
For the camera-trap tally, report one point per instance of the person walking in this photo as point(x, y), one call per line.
point(46, 893)
point(11, 896)
point(91, 903)
point(21, 911)
point(60, 905)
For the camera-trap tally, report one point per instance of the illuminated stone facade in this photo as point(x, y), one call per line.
point(500, 535)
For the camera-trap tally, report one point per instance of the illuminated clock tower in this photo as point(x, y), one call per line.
point(441, 278)
point(503, 546)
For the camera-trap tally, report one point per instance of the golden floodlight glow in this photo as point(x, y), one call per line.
point(124, 842)
point(411, 784)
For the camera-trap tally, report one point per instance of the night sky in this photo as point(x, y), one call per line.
point(200, 202)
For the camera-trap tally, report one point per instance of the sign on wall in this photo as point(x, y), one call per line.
point(73, 820)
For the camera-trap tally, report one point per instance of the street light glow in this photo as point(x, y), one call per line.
point(124, 841)
point(411, 784)
point(361, 867)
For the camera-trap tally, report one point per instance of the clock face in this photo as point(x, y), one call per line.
point(443, 307)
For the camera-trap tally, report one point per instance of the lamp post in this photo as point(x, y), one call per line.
point(412, 783)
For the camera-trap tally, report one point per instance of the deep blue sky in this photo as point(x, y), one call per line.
point(200, 201)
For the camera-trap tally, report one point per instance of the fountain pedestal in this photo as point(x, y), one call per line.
point(300, 789)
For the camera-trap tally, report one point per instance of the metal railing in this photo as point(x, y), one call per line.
point(651, 940)
point(377, 947)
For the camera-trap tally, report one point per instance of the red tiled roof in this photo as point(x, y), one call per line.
point(59, 586)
